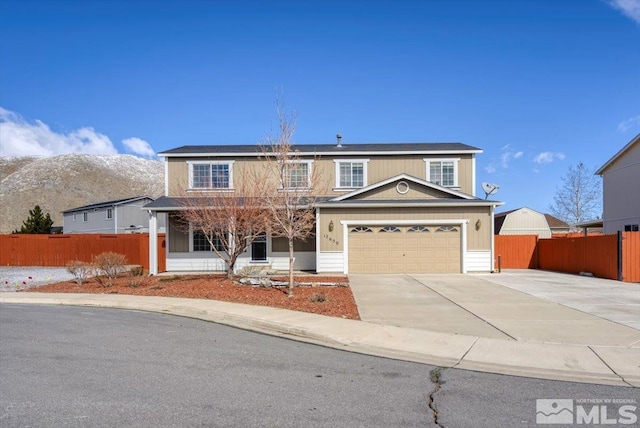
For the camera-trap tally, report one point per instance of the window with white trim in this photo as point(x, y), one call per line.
point(74, 217)
point(297, 175)
point(201, 243)
point(211, 175)
point(109, 213)
point(443, 172)
point(351, 173)
point(85, 216)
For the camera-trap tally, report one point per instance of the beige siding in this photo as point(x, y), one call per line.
point(178, 239)
point(379, 168)
point(390, 191)
point(476, 239)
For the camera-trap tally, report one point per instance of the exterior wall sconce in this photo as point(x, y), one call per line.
point(331, 226)
point(478, 224)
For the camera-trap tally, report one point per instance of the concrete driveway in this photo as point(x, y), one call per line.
point(473, 305)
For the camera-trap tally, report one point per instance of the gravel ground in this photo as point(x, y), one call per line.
point(21, 278)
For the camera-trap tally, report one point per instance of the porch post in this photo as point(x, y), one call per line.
point(153, 243)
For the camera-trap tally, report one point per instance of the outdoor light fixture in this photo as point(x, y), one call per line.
point(331, 226)
point(478, 224)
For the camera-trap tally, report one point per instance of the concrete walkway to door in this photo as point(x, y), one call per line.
point(470, 305)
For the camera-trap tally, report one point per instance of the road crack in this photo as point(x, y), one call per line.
point(436, 379)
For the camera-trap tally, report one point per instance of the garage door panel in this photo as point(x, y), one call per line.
point(405, 252)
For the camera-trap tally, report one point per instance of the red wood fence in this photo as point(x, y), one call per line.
point(58, 250)
point(595, 254)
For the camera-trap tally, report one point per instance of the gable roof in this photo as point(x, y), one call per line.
point(107, 204)
point(399, 177)
point(326, 149)
point(621, 152)
point(455, 198)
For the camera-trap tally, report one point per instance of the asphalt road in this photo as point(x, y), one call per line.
point(83, 366)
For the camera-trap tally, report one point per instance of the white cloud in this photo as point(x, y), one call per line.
point(630, 8)
point(139, 147)
point(19, 137)
point(632, 122)
point(490, 169)
point(548, 157)
point(518, 155)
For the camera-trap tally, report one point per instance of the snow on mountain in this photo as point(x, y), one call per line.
point(62, 182)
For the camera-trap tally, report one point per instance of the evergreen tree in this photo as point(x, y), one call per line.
point(37, 222)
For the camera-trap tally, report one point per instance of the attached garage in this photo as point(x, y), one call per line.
point(395, 248)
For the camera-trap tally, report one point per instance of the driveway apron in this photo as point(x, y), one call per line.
point(470, 305)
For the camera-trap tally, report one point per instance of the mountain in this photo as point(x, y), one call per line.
point(62, 182)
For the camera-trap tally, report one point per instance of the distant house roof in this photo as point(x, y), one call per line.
point(621, 152)
point(556, 223)
point(322, 149)
point(107, 204)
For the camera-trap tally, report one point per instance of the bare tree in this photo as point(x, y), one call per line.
point(229, 220)
point(580, 197)
point(294, 181)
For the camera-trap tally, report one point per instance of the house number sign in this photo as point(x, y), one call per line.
point(330, 239)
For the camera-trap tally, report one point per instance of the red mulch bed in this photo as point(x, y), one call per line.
point(338, 300)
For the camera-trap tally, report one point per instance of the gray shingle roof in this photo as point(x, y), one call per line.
point(324, 148)
point(107, 204)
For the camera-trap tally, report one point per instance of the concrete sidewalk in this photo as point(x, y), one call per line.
point(611, 365)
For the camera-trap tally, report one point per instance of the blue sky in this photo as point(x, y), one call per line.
point(538, 85)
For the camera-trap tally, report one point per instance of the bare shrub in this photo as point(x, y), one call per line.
point(318, 298)
point(80, 270)
point(110, 264)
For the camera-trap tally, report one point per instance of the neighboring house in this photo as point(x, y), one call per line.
point(525, 221)
point(119, 216)
point(390, 208)
point(621, 189)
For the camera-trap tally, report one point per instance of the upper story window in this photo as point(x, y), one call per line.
point(297, 175)
point(443, 171)
point(85, 216)
point(211, 175)
point(351, 173)
point(109, 213)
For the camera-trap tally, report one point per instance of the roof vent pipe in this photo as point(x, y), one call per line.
point(339, 137)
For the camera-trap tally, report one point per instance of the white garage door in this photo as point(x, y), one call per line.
point(404, 249)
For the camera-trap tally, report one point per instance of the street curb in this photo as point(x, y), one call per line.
point(577, 363)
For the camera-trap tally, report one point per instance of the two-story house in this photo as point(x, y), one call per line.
point(389, 208)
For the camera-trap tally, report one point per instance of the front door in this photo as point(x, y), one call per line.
point(259, 249)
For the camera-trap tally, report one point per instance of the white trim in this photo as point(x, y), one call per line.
point(318, 231)
point(455, 161)
point(400, 204)
point(493, 231)
point(327, 153)
point(473, 175)
point(207, 162)
point(309, 162)
point(166, 176)
point(106, 214)
point(454, 222)
point(153, 243)
point(365, 174)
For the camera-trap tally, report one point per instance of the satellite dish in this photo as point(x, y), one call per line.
point(489, 189)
